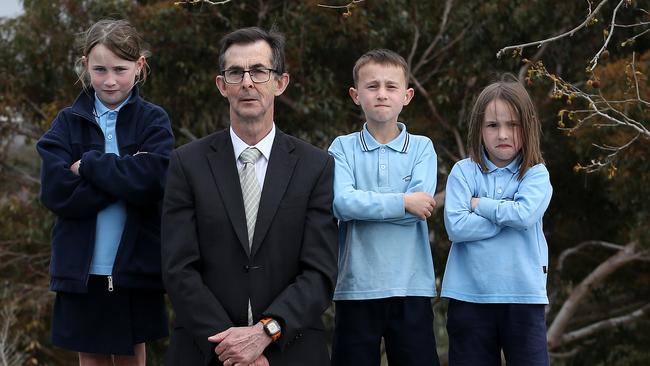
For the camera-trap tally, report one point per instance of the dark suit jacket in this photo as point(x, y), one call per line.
point(210, 273)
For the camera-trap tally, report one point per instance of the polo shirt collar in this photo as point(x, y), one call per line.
point(101, 109)
point(513, 167)
point(399, 143)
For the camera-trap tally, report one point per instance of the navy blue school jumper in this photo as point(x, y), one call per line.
point(88, 317)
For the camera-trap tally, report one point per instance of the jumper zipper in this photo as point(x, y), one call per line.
point(93, 122)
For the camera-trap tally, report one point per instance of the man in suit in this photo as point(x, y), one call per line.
point(249, 240)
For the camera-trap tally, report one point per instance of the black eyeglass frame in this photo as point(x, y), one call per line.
point(243, 72)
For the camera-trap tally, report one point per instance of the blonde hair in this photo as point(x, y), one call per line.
point(510, 91)
point(120, 37)
point(380, 56)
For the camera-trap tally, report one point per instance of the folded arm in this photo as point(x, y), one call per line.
point(63, 192)
point(461, 222)
point(527, 206)
point(351, 203)
point(137, 179)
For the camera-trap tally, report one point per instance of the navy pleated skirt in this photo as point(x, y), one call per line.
point(107, 322)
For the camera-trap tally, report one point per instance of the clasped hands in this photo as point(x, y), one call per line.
point(242, 346)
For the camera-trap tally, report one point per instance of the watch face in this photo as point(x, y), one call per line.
point(272, 327)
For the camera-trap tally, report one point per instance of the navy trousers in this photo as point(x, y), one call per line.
point(405, 323)
point(478, 333)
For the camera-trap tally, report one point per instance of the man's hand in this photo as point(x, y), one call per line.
point(75, 167)
point(420, 204)
point(474, 202)
point(241, 346)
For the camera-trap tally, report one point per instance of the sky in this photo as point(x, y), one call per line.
point(10, 8)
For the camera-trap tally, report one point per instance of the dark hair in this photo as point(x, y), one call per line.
point(515, 95)
point(251, 35)
point(380, 56)
point(120, 37)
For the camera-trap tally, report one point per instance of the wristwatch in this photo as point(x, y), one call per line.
point(271, 328)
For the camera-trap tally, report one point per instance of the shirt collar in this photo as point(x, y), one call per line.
point(513, 167)
point(399, 143)
point(101, 109)
point(264, 146)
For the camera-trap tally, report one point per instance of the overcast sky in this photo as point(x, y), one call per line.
point(10, 8)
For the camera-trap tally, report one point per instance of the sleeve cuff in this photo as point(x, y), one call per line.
point(487, 207)
point(79, 170)
point(83, 163)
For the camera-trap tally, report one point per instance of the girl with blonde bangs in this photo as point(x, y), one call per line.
point(104, 162)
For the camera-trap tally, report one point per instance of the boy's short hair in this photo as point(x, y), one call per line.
point(380, 56)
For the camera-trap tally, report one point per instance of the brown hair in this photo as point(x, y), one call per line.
point(515, 95)
point(120, 37)
point(249, 35)
point(380, 56)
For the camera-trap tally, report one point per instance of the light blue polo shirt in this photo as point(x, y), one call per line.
point(111, 220)
point(384, 251)
point(499, 253)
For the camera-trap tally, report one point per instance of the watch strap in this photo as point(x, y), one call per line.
point(274, 337)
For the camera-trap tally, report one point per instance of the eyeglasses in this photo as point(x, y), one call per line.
point(258, 75)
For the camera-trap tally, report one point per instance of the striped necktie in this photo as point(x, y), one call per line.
point(250, 188)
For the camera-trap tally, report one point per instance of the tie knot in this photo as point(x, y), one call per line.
point(250, 155)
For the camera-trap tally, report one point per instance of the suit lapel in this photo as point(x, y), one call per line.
point(278, 175)
point(224, 172)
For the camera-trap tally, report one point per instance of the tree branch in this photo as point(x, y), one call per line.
point(348, 7)
point(613, 112)
point(524, 69)
point(284, 99)
point(570, 33)
point(602, 325)
point(351, 3)
point(568, 354)
point(557, 329)
point(36, 109)
point(192, 2)
point(22, 131)
point(440, 200)
point(187, 133)
point(439, 118)
point(414, 46)
point(567, 252)
point(594, 60)
point(262, 12)
point(424, 59)
point(26, 177)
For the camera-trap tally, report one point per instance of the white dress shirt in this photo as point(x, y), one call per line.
point(264, 146)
